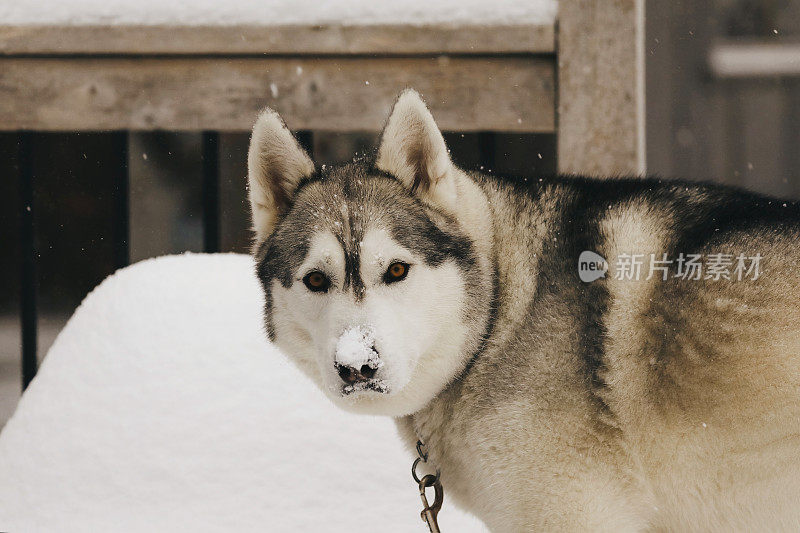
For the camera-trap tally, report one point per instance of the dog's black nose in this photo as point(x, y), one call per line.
point(352, 375)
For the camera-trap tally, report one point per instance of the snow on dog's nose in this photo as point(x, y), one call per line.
point(357, 360)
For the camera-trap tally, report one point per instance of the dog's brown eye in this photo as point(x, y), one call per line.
point(396, 272)
point(317, 281)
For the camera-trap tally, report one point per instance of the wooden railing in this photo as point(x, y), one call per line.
point(580, 80)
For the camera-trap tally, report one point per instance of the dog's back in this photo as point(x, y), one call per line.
point(703, 375)
point(648, 398)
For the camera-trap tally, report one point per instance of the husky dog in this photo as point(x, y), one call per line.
point(455, 302)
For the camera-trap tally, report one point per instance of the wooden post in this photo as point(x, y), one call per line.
point(28, 270)
point(122, 216)
point(601, 114)
point(210, 156)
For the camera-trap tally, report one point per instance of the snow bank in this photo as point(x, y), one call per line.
point(161, 407)
point(273, 12)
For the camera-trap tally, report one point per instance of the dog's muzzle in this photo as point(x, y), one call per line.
point(361, 378)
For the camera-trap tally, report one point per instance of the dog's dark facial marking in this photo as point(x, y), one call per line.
point(352, 269)
point(346, 201)
point(435, 245)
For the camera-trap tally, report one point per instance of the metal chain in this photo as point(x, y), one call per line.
point(429, 512)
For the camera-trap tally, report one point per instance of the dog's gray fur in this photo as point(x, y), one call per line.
point(566, 406)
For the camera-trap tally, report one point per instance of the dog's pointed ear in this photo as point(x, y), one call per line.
point(275, 165)
point(413, 150)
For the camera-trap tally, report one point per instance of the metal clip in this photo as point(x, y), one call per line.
point(430, 512)
point(423, 458)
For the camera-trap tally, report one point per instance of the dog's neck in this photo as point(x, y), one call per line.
point(502, 223)
point(475, 217)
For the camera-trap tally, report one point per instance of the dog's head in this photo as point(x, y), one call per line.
point(376, 274)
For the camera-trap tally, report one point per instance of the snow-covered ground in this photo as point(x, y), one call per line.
point(162, 407)
point(215, 12)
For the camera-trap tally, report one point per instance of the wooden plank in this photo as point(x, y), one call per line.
point(509, 93)
point(601, 111)
point(741, 60)
point(293, 40)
